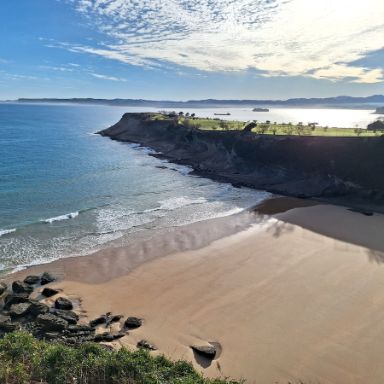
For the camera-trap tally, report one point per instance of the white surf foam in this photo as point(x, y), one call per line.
point(67, 216)
point(6, 231)
point(178, 202)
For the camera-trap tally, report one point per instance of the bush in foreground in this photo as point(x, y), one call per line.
point(23, 359)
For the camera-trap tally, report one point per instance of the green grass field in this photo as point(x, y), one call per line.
point(272, 128)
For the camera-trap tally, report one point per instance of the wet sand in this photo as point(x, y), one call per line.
point(294, 296)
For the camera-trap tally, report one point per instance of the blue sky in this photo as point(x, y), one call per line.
point(179, 49)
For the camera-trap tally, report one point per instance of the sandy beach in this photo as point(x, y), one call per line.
point(292, 292)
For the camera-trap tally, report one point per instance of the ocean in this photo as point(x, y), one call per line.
point(65, 191)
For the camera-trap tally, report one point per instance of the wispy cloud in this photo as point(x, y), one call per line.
point(106, 77)
point(57, 69)
point(319, 39)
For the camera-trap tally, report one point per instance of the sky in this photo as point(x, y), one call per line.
point(191, 49)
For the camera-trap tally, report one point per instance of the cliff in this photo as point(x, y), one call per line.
point(304, 166)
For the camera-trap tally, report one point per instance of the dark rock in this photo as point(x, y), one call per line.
point(113, 319)
point(3, 288)
point(20, 287)
point(7, 326)
point(98, 321)
point(78, 340)
point(146, 345)
point(208, 351)
point(119, 335)
point(13, 298)
point(80, 328)
point(106, 337)
point(63, 303)
point(19, 310)
point(4, 318)
point(52, 335)
point(69, 316)
point(133, 322)
point(36, 308)
point(49, 322)
point(46, 278)
point(31, 280)
point(49, 292)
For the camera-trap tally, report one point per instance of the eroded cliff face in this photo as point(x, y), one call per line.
point(302, 166)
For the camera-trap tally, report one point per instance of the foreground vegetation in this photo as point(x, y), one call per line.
point(23, 359)
point(269, 127)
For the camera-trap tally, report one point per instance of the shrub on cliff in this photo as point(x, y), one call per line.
point(23, 359)
point(378, 125)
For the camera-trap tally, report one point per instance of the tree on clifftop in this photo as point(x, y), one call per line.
point(378, 125)
point(249, 126)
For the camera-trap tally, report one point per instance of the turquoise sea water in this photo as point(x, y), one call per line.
point(65, 191)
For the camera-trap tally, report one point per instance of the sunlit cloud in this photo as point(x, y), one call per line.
point(319, 39)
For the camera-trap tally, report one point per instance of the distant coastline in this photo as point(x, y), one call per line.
point(347, 102)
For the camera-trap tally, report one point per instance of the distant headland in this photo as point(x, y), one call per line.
point(375, 101)
point(300, 165)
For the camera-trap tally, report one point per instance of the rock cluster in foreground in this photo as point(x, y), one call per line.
point(58, 322)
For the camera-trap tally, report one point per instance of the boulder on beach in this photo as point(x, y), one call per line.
point(4, 318)
point(69, 316)
point(21, 287)
point(49, 322)
point(63, 303)
point(49, 292)
point(113, 319)
point(207, 351)
point(19, 310)
point(31, 280)
point(6, 325)
point(15, 298)
point(133, 322)
point(36, 308)
point(46, 278)
point(107, 337)
point(146, 345)
point(98, 321)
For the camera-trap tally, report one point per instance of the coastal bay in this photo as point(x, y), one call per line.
point(274, 284)
point(282, 296)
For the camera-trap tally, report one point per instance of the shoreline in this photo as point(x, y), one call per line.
point(284, 299)
point(164, 241)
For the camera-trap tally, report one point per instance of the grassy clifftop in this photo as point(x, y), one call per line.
point(271, 128)
point(23, 359)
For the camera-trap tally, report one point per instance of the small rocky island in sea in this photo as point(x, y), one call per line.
point(260, 110)
point(379, 111)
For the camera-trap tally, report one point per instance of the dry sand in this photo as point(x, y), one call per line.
point(298, 296)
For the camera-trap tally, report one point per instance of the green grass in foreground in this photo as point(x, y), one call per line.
point(23, 359)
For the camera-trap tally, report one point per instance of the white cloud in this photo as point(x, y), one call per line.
point(357, 74)
point(106, 77)
point(316, 38)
